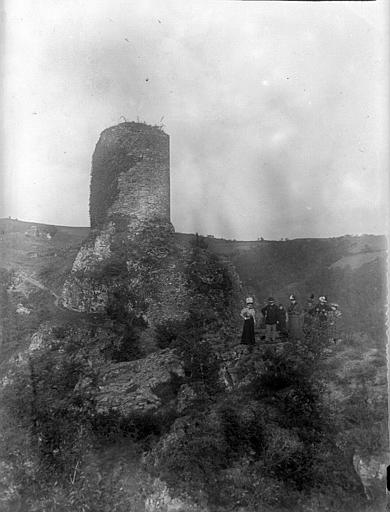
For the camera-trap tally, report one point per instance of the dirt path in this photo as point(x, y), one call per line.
point(38, 284)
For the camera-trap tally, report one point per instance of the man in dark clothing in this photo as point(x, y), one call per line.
point(271, 314)
point(308, 311)
point(282, 320)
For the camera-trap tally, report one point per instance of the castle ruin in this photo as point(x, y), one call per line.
point(130, 175)
point(131, 242)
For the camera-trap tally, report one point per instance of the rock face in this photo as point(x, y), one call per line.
point(135, 273)
point(139, 386)
point(161, 501)
point(372, 473)
point(131, 250)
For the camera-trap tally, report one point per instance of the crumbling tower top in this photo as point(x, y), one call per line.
point(130, 175)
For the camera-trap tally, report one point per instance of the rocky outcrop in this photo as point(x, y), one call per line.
point(372, 473)
point(160, 500)
point(163, 311)
point(131, 249)
point(9, 496)
point(239, 366)
point(139, 386)
point(132, 261)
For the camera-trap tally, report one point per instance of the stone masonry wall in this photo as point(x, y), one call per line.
point(130, 174)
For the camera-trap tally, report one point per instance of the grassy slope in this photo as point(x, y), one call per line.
point(35, 259)
point(32, 254)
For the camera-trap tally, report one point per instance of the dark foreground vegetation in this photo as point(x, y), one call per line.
point(275, 443)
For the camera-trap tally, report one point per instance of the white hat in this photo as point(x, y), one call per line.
point(292, 297)
point(249, 300)
point(322, 298)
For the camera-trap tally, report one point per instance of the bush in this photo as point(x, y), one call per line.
point(108, 428)
point(168, 332)
point(242, 435)
point(126, 346)
point(50, 408)
point(190, 464)
point(201, 365)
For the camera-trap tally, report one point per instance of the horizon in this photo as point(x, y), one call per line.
point(209, 235)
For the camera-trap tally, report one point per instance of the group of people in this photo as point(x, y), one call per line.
point(290, 321)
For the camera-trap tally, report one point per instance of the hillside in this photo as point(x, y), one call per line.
point(276, 268)
point(197, 418)
point(350, 270)
point(32, 247)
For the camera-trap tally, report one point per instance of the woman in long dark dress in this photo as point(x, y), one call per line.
point(249, 316)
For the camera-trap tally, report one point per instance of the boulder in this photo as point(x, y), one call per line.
point(143, 385)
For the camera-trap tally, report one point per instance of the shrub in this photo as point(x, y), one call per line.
point(242, 435)
point(49, 406)
point(126, 346)
point(190, 464)
point(201, 365)
point(168, 332)
point(110, 427)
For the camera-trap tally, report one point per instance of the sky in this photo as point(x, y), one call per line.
point(277, 111)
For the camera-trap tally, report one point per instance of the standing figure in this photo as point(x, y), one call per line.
point(282, 320)
point(321, 311)
point(310, 302)
point(249, 316)
point(333, 317)
point(271, 314)
point(308, 311)
point(294, 313)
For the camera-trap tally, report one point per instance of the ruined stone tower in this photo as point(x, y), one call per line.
point(131, 246)
point(131, 266)
point(130, 176)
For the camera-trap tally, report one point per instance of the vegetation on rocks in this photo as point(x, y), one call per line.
point(282, 435)
point(268, 444)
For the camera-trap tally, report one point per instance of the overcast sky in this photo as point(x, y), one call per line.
point(276, 111)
